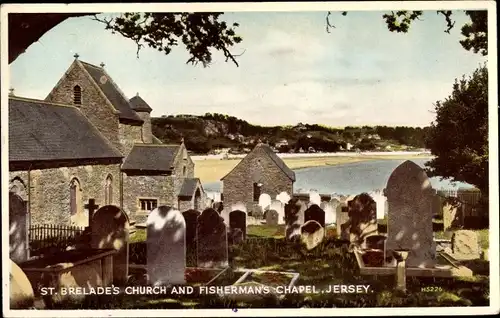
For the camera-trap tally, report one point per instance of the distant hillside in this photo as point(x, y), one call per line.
point(212, 132)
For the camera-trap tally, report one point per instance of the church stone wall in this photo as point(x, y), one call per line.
point(129, 135)
point(49, 190)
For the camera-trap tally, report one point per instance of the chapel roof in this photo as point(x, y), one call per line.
point(40, 130)
point(189, 187)
point(139, 105)
point(151, 157)
point(112, 92)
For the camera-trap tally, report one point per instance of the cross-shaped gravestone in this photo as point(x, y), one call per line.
point(92, 207)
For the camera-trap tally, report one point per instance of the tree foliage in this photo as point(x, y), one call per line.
point(459, 136)
point(199, 32)
point(475, 32)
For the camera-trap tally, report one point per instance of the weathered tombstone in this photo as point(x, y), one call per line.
point(314, 199)
point(191, 219)
point(294, 218)
point(363, 219)
point(272, 217)
point(342, 221)
point(283, 197)
point(110, 229)
point(264, 201)
point(238, 220)
point(212, 240)
point(451, 216)
point(380, 200)
point(315, 213)
point(312, 234)
point(330, 211)
point(166, 246)
point(409, 195)
point(18, 229)
point(21, 291)
point(279, 207)
point(465, 245)
point(237, 236)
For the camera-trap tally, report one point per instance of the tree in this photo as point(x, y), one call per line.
point(459, 136)
point(199, 32)
point(475, 32)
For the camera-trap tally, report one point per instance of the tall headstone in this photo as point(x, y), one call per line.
point(342, 221)
point(279, 207)
point(238, 220)
point(283, 197)
point(166, 246)
point(451, 215)
point(18, 229)
point(363, 219)
point(212, 240)
point(409, 195)
point(294, 218)
point(264, 201)
point(380, 200)
point(330, 208)
point(314, 198)
point(315, 213)
point(312, 234)
point(110, 229)
point(191, 219)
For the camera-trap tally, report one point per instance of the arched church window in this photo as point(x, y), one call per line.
point(77, 95)
point(74, 196)
point(108, 190)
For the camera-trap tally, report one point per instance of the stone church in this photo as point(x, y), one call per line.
point(86, 140)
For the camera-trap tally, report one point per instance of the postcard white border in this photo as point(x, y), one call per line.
point(241, 7)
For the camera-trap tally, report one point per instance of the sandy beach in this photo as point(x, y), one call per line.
point(213, 168)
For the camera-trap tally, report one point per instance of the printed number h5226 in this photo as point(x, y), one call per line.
point(431, 289)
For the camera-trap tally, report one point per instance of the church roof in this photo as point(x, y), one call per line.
point(112, 92)
point(272, 155)
point(139, 105)
point(189, 187)
point(39, 131)
point(151, 157)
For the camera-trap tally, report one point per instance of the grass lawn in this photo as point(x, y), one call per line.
point(328, 264)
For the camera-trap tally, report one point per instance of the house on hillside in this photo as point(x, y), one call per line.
point(260, 171)
point(87, 140)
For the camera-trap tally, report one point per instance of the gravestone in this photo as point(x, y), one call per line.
point(330, 211)
point(110, 229)
point(314, 198)
point(236, 236)
point(283, 197)
point(380, 200)
point(238, 220)
point(409, 195)
point(465, 245)
point(294, 218)
point(18, 229)
point(363, 219)
point(212, 240)
point(166, 246)
point(342, 221)
point(264, 201)
point(279, 207)
point(21, 295)
point(451, 215)
point(314, 212)
point(191, 219)
point(312, 234)
point(272, 217)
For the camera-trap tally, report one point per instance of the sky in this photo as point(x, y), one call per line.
point(291, 69)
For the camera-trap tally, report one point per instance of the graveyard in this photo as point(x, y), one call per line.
point(403, 258)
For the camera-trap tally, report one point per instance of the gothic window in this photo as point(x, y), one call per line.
point(256, 191)
point(184, 171)
point(77, 95)
point(74, 196)
point(108, 190)
point(197, 199)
